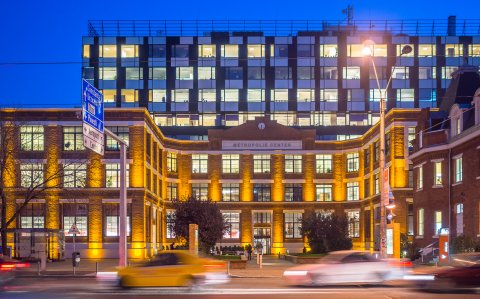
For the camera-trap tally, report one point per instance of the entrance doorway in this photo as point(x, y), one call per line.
point(262, 235)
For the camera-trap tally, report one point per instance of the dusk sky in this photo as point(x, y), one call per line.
point(51, 32)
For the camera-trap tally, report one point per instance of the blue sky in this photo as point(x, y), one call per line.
point(51, 31)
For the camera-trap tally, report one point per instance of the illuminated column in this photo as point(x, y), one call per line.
point(215, 172)
point(399, 165)
point(278, 173)
point(309, 175)
point(246, 223)
point(138, 229)
point(277, 240)
point(137, 154)
point(339, 177)
point(246, 168)
point(184, 175)
point(95, 229)
point(53, 146)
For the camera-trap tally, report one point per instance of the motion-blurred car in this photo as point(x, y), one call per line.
point(463, 272)
point(8, 267)
point(346, 267)
point(174, 268)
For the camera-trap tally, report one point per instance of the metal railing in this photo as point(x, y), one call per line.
point(462, 27)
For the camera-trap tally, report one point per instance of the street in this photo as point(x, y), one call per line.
point(53, 288)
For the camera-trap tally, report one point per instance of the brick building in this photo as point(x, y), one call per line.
point(263, 175)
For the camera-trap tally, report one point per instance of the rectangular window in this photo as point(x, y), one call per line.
point(366, 158)
point(437, 173)
point(33, 216)
point(474, 50)
point(421, 222)
point(262, 217)
point(31, 138)
point(107, 51)
point(170, 224)
point(180, 51)
point(458, 170)
point(352, 162)
point(293, 163)
point(293, 223)
point(261, 192)
point(230, 163)
point(112, 175)
point(426, 50)
point(129, 51)
point(405, 95)
point(109, 95)
point(410, 218)
point(229, 95)
point(447, 71)
point(207, 51)
point(75, 213)
point(157, 95)
point(328, 73)
point(351, 72)
point(200, 191)
point(438, 222)
point(352, 191)
point(75, 176)
point(420, 177)
point(323, 163)
point(400, 72)
point(305, 73)
point(328, 50)
point(107, 73)
point(181, 95)
point(122, 133)
point(279, 95)
point(459, 218)
point(184, 73)
point(31, 175)
point(157, 73)
point(207, 95)
point(86, 51)
point(353, 223)
point(261, 163)
point(172, 190)
point(293, 192)
point(234, 73)
point(305, 95)
point(73, 139)
point(256, 95)
point(206, 73)
point(283, 73)
point(453, 50)
point(129, 95)
point(200, 163)
point(157, 51)
point(324, 192)
point(171, 162)
point(411, 138)
point(366, 188)
point(232, 222)
point(230, 192)
point(376, 184)
point(305, 51)
point(427, 72)
point(111, 212)
point(255, 51)
point(229, 51)
point(279, 50)
point(376, 151)
point(134, 73)
point(401, 47)
point(329, 95)
point(256, 73)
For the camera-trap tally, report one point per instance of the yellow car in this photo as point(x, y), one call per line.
point(174, 268)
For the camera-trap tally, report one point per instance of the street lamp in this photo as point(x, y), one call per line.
point(384, 198)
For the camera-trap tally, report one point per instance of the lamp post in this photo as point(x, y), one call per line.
point(384, 198)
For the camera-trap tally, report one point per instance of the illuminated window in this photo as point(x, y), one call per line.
point(172, 191)
point(458, 170)
point(230, 192)
point(206, 51)
point(230, 163)
point(75, 213)
point(157, 73)
point(328, 50)
point(293, 192)
point(376, 184)
point(305, 95)
point(232, 222)
point(353, 223)
point(438, 222)
point(74, 175)
point(351, 72)
point(129, 95)
point(279, 95)
point(427, 72)
point(447, 71)
point(329, 95)
point(323, 163)
point(293, 223)
point(352, 191)
point(184, 73)
point(200, 163)
point(121, 132)
point(437, 173)
point(200, 191)
point(410, 218)
point(206, 73)
point(474, 50)
point(207, 95)
point(171, 162)
point(112, 175)
point(31, 138)
point(426, 50)
point(400, 72)
point(107, 73)
point(31, 175)
point(33, 216)
point(262, 217)
point(109, 95)
point(107, 51)
point(400, 48)
point(229, 95)
point(459, 218)
point(111, 214)
point(86, 51)
point(230, 51)
point(261, 192)
point(328, 73)
point(170, 224)
point(261, 163)
point(324, 192)
point(256, 95)
point(134, 73)
point(73, 139)
point(129, 51)
point(421, 222)
point(352, 162)
point(453, 50)
point(279, 50)
point(157, 95)
point(181, 95)
point(420, 177)
point(405, 95)
point(293, 163)
point(255, 51)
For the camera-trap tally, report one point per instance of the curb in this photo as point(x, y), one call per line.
point(58, 276)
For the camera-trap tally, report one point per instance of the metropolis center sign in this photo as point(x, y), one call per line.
point(93, 118)
point(261, 144)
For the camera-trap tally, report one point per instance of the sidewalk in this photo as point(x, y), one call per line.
point(272, 267)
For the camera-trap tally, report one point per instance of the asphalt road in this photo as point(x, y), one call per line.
point(265, 288)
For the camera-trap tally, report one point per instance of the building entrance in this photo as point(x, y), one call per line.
point(262, 236)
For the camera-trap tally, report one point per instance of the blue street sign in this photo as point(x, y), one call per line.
point(92, 103)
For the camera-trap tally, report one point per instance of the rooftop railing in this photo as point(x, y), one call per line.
point(281, 27)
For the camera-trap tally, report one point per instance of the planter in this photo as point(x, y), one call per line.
point(238, 264)
point(302, 260)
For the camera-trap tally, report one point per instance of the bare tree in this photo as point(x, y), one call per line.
point(29, 179)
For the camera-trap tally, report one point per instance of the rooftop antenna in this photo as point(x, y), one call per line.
point(349, 12)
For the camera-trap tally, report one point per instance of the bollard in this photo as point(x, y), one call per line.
point(38, 267)
point(258, 259)
point(261, 260)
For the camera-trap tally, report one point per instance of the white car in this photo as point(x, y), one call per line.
point(346, 267)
